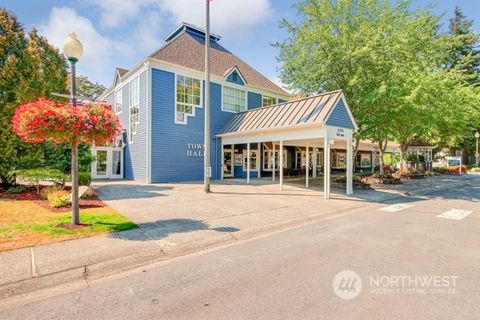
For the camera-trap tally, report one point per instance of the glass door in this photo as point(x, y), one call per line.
point(116, 164)
point(107, 163)
point(101, 165)
point(227, 163)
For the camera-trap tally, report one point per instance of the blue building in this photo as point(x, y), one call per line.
point(160, 104)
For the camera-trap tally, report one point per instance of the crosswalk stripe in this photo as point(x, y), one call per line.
point(396, 207)
point(455, 214)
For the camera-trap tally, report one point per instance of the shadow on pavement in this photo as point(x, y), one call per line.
point(124, 191)
point(162, 228)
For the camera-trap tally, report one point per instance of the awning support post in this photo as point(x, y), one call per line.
point(273, 164)
point(280, 165)
point(222, 162)
point(326, 166)
point(307, 164)
point(248, 163)
point(349, 167)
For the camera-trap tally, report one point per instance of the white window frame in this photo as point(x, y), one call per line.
point(267, 164)
point(362, 156)
point(238, 89)
point(244, 160)
point(193, 106)
point(337, 155)
point(275, 100)
point(134, 103)
point(118, 96)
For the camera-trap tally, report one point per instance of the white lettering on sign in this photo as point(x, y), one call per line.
point(195, 149)
point(340, 132)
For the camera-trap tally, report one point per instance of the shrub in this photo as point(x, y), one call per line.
point(415, 158)
point(46, 191)
point(16, 189)
point(59, 198)
point(35, 176)
point(84, 178)
point(450, 170)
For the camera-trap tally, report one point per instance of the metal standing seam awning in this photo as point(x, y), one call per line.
point(316, 120)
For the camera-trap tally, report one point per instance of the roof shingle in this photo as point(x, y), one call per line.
point(188, 50)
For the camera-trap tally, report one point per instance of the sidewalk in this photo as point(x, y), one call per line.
point(176, 219)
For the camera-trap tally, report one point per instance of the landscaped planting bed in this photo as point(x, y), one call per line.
point(27, 220)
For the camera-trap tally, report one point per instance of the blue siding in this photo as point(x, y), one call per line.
point(254, 100)
point(170, 162)
point(339, 117)
point(234, 77)
point(135, 154)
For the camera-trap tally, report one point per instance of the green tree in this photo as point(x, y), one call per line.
point(465, 57)
point(386, 57)
point(89, 89)
point(29, 68)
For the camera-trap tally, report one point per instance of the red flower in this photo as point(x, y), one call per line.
point(46, 120)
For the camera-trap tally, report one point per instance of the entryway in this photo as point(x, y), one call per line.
point(108, 163)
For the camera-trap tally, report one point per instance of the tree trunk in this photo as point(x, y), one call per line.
point(382, 146)
point(403, 158)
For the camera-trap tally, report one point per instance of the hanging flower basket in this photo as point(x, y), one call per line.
point(45, 120)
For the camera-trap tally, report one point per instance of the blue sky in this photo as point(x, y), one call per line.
point(122, 32)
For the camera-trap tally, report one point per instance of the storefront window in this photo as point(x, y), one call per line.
point(268, 159)
point(253, 160)
point(339, 160)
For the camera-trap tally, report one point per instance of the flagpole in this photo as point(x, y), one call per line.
point(207, 169)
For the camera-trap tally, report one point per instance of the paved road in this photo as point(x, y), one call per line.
point(412, 265)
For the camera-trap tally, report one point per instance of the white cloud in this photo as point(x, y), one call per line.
point(98, 50)
point(227, 16)
point(115, 12)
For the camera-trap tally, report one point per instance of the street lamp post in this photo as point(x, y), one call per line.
point(477, 156)
point(72, 50)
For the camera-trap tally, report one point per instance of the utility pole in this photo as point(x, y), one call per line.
point(207, 169)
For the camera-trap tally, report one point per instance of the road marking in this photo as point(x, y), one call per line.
point(455, 214)
point(396, 207)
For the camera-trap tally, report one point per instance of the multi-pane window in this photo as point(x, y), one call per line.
point(134, 107)
point(253, 160)
point(234, 100)
point(188, 97)
point(118, 101)
point(267, 101)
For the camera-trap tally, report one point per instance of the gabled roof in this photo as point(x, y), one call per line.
point(310, 110)
point(119, 73)
point(232, 70)
point(187, 49)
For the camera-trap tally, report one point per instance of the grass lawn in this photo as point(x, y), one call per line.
point(25, 223)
